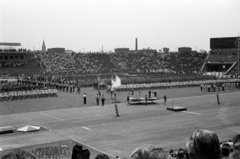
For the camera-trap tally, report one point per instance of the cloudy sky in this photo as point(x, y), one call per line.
point(89, 24)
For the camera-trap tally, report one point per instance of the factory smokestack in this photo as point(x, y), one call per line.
point(136, 45)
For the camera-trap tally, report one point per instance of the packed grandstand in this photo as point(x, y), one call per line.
point(43, 74)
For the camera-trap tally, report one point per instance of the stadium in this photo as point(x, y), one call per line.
point(51, 101)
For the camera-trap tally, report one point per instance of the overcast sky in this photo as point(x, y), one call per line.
point(89, 24)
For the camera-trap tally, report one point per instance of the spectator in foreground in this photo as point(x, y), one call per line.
point(204, 144)
point(101, 156)
point(140, 153)
point(149, 152)
point(236, 154)
point(157, 153)
point(236, 142)
point(226, 151)
point(76, 150)
point(79, 153)
point(236, 147)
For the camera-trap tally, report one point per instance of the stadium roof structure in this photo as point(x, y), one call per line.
point(10, 44)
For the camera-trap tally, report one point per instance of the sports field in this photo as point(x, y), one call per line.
point(97, 127)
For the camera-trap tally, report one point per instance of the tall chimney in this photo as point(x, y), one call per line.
point(136, 45)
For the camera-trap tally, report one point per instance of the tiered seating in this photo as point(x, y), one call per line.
point(68, 64)
point(95, 63)
point(57, 63)
point(226, 56)
point(220, 150)
point(57, 152)
point(140, 62)
point(30, 66)
point(222, 58)
point(183, 62)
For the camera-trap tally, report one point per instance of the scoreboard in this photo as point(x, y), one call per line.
point(223, 43)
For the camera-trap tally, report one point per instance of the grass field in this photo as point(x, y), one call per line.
point(97, 127)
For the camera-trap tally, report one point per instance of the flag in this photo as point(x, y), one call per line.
point(116, 83)
point(98, 78)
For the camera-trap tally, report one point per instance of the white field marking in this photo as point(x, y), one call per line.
point(191, 112)
point(93, 148)
point(56, 110)
point(86, 128)
point(61, 120)
point(45, 111)
point(51, 116)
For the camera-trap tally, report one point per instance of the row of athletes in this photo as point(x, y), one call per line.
point(10, 87)
point(174, 84)
point(17, 95)
point(55, 85)
point(220, 86)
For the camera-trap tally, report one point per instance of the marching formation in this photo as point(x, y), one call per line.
point(18, 95)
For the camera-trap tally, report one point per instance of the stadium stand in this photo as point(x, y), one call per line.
point(94, 63)
point(30, 66)
point(59, 152)
point(202, 144)
point(221, 63)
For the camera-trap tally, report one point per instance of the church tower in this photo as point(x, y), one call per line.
point(43, 47)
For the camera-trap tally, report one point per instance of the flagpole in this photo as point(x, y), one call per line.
point(238, 52)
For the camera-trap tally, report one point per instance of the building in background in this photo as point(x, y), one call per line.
point(165, 50)
point(121, 50)
point(57, 49)
point(184, 49)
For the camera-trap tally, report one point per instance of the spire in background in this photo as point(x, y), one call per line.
point(43, 47)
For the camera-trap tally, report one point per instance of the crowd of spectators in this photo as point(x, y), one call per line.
point(12, 63)
point(202, 144)
point(30, 65)
point(52, 152)
point(177, 62)
point(143, 62)
point(57, 63)
point(225, 56)
point(75, 64)
point(225, 52)
point(222, 58)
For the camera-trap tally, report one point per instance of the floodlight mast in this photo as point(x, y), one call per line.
point(238, 43)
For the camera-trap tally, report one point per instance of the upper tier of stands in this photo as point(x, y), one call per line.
point(100, 63)
point(93, 63)
point(164, 63)
point(30, 66)
point(227, 56)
